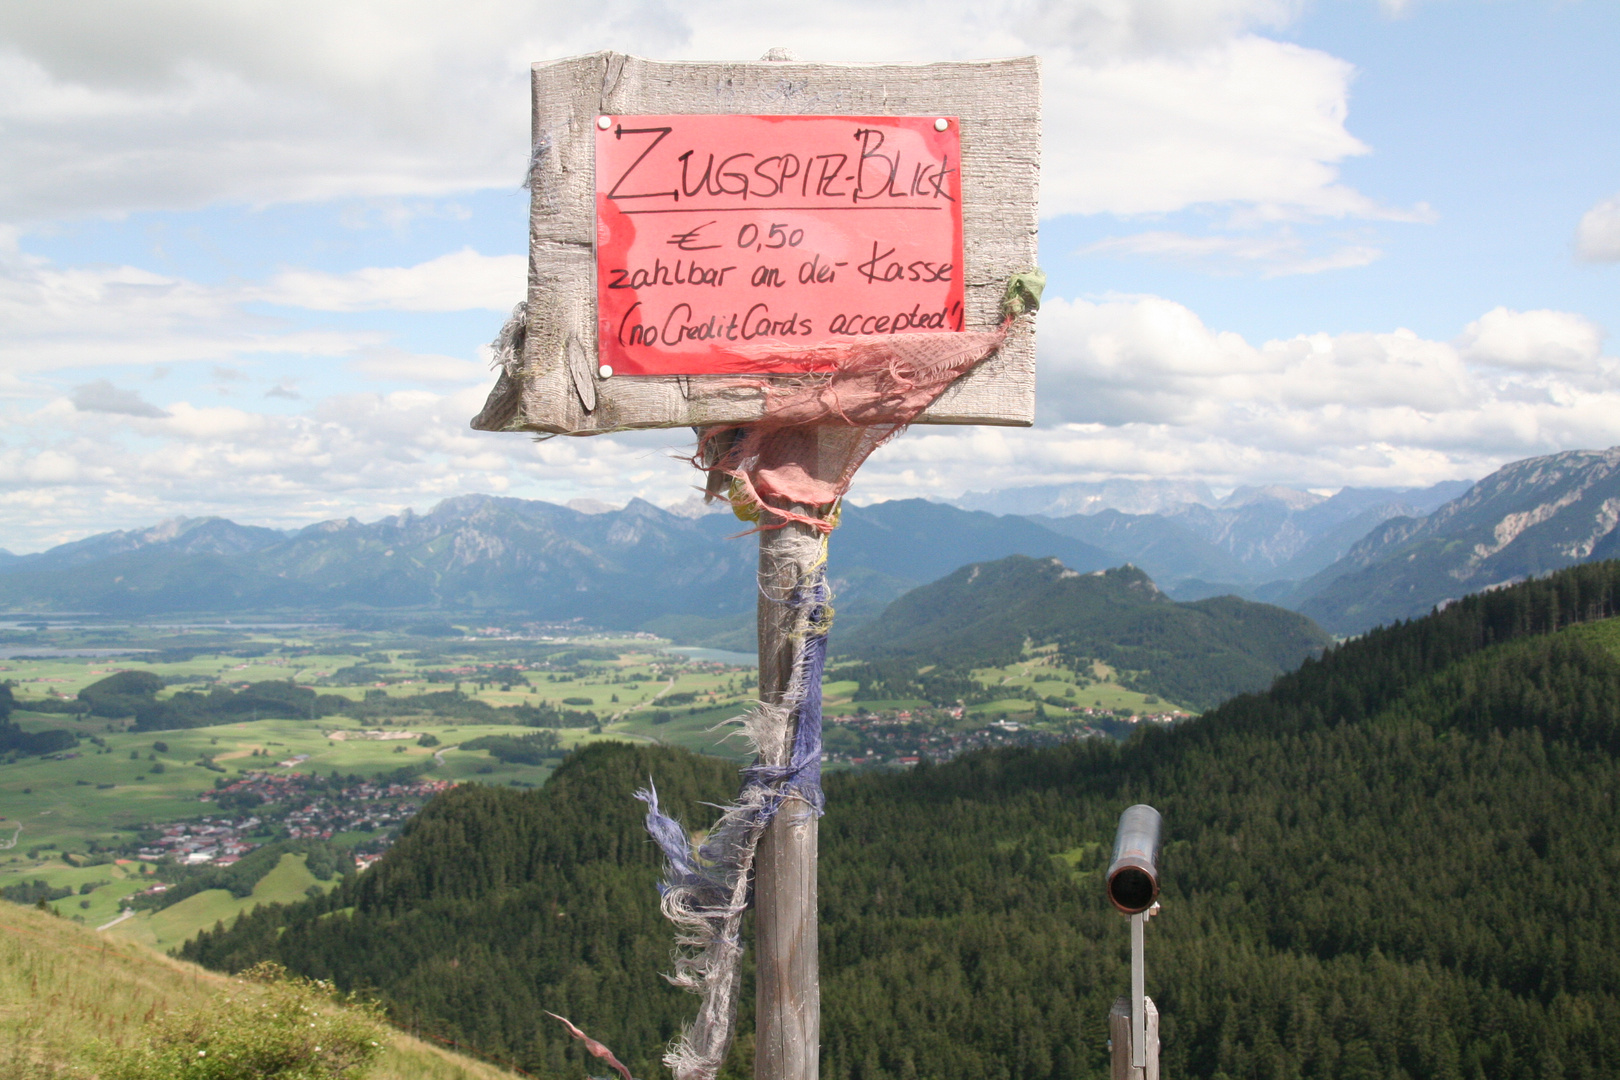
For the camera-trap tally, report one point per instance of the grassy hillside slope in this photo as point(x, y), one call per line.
point(62, 987)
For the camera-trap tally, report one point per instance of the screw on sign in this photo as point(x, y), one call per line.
point(797, 261)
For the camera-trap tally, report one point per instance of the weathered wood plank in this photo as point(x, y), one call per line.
point(998, 103)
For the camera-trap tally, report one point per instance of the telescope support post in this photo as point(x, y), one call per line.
point(1138, 991)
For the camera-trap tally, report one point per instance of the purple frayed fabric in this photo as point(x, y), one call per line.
point(802, 774)
point(706, 889)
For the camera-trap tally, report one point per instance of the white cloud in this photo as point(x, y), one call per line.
point(179, 102)
point(101, 456)
point(1249, 121)
point(1597, 238)
point(1125, 27)
point(460, 281)
point(1533, 340)
point(1281, 254)
point(1133, 360)
point(93, 316)
point(103, 397)
point(63, 475)
point(1151, 105)
point(1129, 386)
point(96, 316)
point(397, 364)
point(1141, 386)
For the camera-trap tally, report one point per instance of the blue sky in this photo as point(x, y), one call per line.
point(251, 255)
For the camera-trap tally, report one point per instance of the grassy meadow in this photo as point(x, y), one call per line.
point(1036, 672)
point(288, 883)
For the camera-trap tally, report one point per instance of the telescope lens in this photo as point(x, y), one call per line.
point(1131, 889)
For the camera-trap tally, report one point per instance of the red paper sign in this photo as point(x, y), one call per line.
point(733, 243)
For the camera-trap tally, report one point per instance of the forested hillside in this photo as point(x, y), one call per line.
point(1397, 862)
point(986, 614)
point(133, 694)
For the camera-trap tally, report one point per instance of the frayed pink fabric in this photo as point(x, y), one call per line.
point(596, 1049)
point(817, 429)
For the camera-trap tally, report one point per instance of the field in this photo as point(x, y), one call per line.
point(125, 779)
point(106, 791)
point(635, 689)
point(95, 804)
point(289, 882)
point(1036, 672)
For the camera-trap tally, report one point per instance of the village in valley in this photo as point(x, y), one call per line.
point(126, 807)
point(906, 737)
point(307, 811)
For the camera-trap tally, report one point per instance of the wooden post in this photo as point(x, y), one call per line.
point(980, 120)
point(1119, 1037)
point(787, 981)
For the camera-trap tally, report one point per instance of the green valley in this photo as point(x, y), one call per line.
point(118, 810)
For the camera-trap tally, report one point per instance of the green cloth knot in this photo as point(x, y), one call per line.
point(1023, 293)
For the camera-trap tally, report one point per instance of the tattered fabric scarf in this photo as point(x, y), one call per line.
point(706, 888)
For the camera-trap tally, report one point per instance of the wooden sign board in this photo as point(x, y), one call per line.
point(689, 220)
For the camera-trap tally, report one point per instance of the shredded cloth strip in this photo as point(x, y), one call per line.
point(860, 395)
point(857, 397)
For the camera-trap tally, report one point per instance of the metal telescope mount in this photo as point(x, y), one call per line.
point(1133, 888)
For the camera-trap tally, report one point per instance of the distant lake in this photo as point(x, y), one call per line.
point(717, 656)
point(25, 653)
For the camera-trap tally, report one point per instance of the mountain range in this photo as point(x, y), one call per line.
point(1357, 559)
point(639, 567)
point(1353, 560)
point(1254, 536)
point(1525, 520)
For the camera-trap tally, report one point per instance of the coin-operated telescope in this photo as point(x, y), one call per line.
point(1133, 875)
point(1132, 882)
